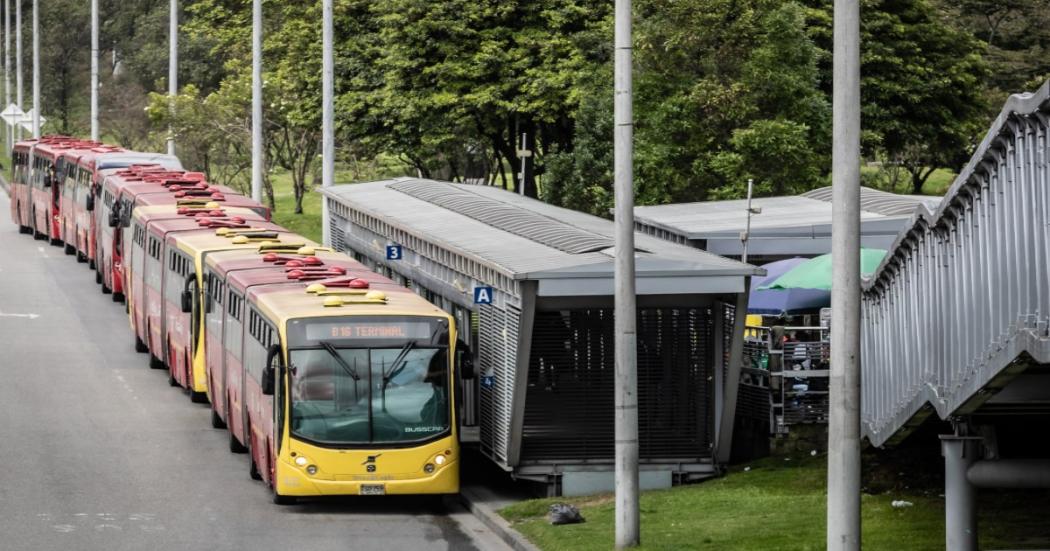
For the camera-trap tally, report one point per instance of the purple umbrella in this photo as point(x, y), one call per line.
point(783, 302)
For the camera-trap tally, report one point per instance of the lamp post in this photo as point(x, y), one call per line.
point(327, 114)
point(626, 347)
point(843, 511)
point(258, 159)
point(173, 67)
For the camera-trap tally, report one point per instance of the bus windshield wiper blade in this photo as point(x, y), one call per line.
point(399, 362)
point(342, 363)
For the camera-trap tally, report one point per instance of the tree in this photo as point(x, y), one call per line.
point(460, 81)
point(724, 91)
point(921, 85)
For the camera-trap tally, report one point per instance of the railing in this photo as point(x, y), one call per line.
point(965, 290)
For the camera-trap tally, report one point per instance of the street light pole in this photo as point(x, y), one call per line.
point(36, 69)
point(626, 383)
point(257, 118)
point(17, 130)
point(843, 511)
point(173, 68)
point(327, 114)
point(7, 70)
point(94, 70)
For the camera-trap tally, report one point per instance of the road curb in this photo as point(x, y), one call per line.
point(474, 499)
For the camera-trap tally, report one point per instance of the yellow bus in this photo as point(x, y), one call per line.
point(348, 388)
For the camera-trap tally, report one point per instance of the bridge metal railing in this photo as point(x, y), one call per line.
point(965, 289)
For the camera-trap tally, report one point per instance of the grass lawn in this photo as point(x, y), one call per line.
point(780, 505)
point(307, 224)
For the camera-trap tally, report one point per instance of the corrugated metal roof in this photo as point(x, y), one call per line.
point(726, 219)
point(881, 202)
point(495, 213)
point(507, 247)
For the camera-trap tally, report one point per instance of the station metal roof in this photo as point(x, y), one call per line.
point(525, 238)
point(797, 224)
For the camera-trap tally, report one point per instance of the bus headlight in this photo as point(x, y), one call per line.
point(311, 470)
point(440, 460)
point(428, 468)
point(301, 461)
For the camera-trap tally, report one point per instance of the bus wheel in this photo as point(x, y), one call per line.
point(81, 257)
point(118, 297)
point(70, 249)
point(171, 379)
point(253, 471)
point(216, 421)
point(24, 229)
point(155, 362)
point(198, 397)
point(91, 265)
point(98, 279)
point(140, 346)
point(278, 499)
point(235, 445)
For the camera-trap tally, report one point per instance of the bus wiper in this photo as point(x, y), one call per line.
point(339, 359)
point(399, 363)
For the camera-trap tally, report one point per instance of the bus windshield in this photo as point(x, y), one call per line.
point(344, 395)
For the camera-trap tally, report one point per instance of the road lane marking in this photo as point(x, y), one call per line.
point(29, 316)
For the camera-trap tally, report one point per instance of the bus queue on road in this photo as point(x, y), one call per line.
point(334, 379)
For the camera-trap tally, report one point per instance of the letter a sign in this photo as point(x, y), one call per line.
point(482, 295)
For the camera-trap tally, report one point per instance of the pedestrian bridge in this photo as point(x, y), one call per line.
point(956, 316)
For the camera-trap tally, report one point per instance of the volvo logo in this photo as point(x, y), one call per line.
point(371, 462)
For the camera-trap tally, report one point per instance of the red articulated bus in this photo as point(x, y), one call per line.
point(157, 277)
point(38, 192)
point(21, 174)
point(78, 199)
point(252, 268)
point(88, 169)
point(124, 190)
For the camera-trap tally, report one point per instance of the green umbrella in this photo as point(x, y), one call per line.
point(815, 273)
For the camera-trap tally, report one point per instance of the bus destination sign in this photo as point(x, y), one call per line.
point(319, 331)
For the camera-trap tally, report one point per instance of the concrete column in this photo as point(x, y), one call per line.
point(960, 509)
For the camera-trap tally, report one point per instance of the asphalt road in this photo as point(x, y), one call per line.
point(98, 452)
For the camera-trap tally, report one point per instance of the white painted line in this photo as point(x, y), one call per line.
point(29, 316)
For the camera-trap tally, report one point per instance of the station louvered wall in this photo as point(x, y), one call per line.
point(497, 357)
point(569, 402)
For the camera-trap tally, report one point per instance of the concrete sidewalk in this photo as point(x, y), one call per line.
point(485, 504)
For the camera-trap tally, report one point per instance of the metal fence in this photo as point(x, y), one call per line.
point(964, 291)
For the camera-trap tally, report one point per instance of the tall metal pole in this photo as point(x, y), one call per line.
point(173, 67)
point(747, 226)
point(7, 70)
point(94, 70)
point(327, 114)
point(36, 69)
point(17, 130)
point(844, 419)
point(626, 386)
point(258, 161)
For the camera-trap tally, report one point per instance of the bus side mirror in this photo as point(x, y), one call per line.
point(465, 359)
point(90, 203)
point(114, 218)
point(269, 373)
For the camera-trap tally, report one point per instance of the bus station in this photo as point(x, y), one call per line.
point(532, 284)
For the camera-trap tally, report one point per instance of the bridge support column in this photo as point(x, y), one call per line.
point(960, 503)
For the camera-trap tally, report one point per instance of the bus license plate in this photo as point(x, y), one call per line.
point(373, 489)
